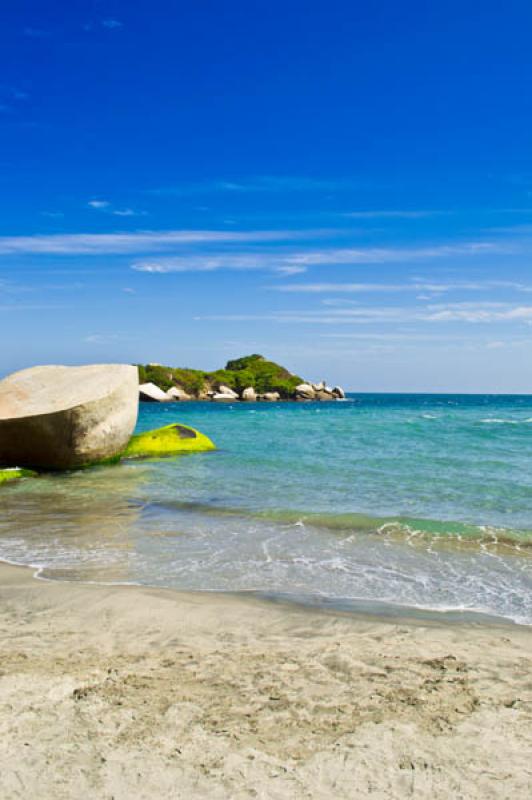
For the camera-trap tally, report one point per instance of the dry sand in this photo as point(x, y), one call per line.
point(126, 693)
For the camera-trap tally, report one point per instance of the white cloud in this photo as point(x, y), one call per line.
point(134, 242)
point(207, 263)
point(128, 212)
point(433, 288)
point(396, 214)
point(381, 255)
point(107, 207)
point(458, 312)
point(112, 24)
point(257, 184)
point(294, 262)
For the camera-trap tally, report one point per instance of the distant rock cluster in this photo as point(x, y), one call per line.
point(304, 392)
point(318, 391)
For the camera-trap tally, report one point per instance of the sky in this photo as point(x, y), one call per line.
point(344, 187)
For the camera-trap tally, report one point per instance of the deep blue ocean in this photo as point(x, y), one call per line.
point(381, 501)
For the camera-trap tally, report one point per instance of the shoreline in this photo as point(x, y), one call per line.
point(127, 691)
point(357, 608)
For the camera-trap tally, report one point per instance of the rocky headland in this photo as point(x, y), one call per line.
point(248, 379)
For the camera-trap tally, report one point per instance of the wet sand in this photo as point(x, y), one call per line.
point(126, 692)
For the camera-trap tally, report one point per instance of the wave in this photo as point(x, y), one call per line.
point(500, 421)
point(442, 533)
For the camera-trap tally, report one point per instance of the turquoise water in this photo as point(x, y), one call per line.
point(424, 502)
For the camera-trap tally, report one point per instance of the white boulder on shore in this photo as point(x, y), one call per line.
point(226, 390)
point(176, 393)
point(58, 417)
point(305, 391)
point(249, 395)
point(318, 391)
point(150, 393)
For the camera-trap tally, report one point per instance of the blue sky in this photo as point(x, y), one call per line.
point(344, 187)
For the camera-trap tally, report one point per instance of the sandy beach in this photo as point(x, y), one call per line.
point(125, 692)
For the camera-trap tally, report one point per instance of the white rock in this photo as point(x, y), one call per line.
point(339, 392)
point(222, 397)
point(305, 390)
point(229, 391)
point(62, 417)
point(270, 397)
point(176, 393)
point(249, 394)
point(150, 393)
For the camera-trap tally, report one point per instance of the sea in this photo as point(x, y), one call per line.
point(389, 504)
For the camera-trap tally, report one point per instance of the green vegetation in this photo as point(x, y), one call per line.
point(167, 441)
point(15, 474)
point(254, 370)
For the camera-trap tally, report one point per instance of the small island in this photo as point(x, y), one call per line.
point(249, 379)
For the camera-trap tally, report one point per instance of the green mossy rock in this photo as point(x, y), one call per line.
point(168, 441)
point(14, 474)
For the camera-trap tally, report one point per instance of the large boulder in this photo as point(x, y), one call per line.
point(150, 393)
point(57, 417)
point(227, 391)
point(222, 397)
point(305, 392)
point(270, 397)
point(339, 393)
point(249, 394)
point(176, 393)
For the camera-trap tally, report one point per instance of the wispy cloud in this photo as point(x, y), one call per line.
point(257, 184)
point(381, 255)
point(393, 214)
point(107, 207)
point(433, 288)
point(128, 212)
point(296, 261)
point(207, 263)
point(112, 24)
point(134, 242)
point(53, 214)
point(105, 338)
point(473, 313)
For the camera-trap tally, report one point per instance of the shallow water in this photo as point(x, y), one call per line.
point(420, 501)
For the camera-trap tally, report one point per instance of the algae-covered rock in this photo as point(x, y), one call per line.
point(168, 441)
point(15, 474)
point(58, 417)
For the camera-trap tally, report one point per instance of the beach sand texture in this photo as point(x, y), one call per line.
point(125, 692)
